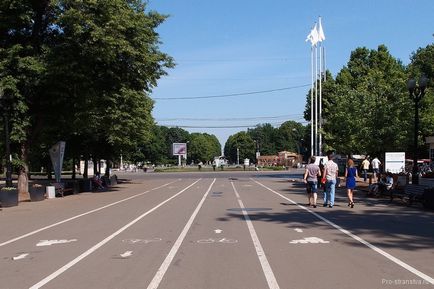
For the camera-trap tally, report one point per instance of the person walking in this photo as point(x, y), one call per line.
point(350, 181)
point(331, 174)
point(310, 178)
point(376, 167)
point(365, 168)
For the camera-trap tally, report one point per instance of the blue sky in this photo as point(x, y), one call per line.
point(235, 46)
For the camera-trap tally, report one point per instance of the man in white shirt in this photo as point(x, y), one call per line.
point(365, 168)
point(331, 174)
point(376, 167)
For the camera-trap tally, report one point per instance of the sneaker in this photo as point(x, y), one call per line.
point(324, 205)
point(330, 206)
point(314, 206)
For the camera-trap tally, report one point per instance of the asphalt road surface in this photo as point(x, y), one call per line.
point(206, 230)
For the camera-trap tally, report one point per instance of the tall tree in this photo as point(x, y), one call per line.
point(25, 34)
point(203, 147)
point(367, 111)
point(422, 63)
point(242, 142)
point(292, 137)
point(80, 70)
point(266, 138)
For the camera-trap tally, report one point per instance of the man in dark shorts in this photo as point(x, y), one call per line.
point(310, 178)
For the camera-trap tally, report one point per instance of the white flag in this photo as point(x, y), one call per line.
point(321, 36)
point(313, 36)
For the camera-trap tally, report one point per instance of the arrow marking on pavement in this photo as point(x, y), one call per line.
point(218, 231)
point(22, 256)
point(127, 254)
point(309, 240)
point(52, 242)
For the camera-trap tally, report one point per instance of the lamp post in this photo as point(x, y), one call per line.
point(5, 109)
point(257, 153)
point(416, 94)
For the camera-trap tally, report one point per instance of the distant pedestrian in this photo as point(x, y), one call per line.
point(376, 167)
point(311, 180)
point(331, 174)
point(322, 174)
point(365, 168)
point(350, 176)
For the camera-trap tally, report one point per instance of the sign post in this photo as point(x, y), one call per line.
point(180, 150)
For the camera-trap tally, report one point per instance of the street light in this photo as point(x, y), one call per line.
point(416, 94)
point(258, 153)
point(4, 103)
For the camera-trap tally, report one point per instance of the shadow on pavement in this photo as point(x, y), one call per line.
point(375, 220)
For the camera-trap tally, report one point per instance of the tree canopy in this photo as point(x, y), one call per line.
point(80, 71)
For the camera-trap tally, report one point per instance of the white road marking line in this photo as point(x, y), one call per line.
point(52, 242)
point(19, 257)
point(218, 231)
point(126, 254)
point(309, 240)
point(169, 258)
point(266, 268)
point(81, 215)
point(357, 238)
point(298, 230)
point(103, 242)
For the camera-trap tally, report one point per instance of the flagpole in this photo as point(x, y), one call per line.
point(320, 100)
point(311, 104)
point(316, 100)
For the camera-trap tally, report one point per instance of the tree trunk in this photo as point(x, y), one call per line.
point(23, 179)
point(95, 165)
point(86, 166)
point(73, 168)
point(107, 168)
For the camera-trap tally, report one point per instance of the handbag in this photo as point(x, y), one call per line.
point(323, 179)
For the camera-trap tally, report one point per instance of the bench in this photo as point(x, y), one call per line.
point(415, 193)
point(409, 193)
point(60, 189)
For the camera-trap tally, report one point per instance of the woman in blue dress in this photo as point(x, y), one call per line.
point(350, 175)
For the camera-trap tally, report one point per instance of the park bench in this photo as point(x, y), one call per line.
point(60, 189)
point(408, 193)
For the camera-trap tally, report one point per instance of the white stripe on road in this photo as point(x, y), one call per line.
point(357, 238)
point(266, 268)
point(169, 258)
point(81, 215)
point(103, 242)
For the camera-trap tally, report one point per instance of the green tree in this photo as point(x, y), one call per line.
point(367, 109)
point(25, 34)
point(422, 63)
point(292, 137)
point(79, 71)
point(109, 61)
point(245, 145)
point(266, 138)
point(203, 147)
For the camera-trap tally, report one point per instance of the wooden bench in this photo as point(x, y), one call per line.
point(60, 189)
point(414, 193)
point(409, 193)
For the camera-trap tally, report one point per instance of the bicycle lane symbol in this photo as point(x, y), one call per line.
point(213, 240)
point(141, 241)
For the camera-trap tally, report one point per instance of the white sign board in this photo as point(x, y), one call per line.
point(394, 162)
point(246, 162)
point(179, 149)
